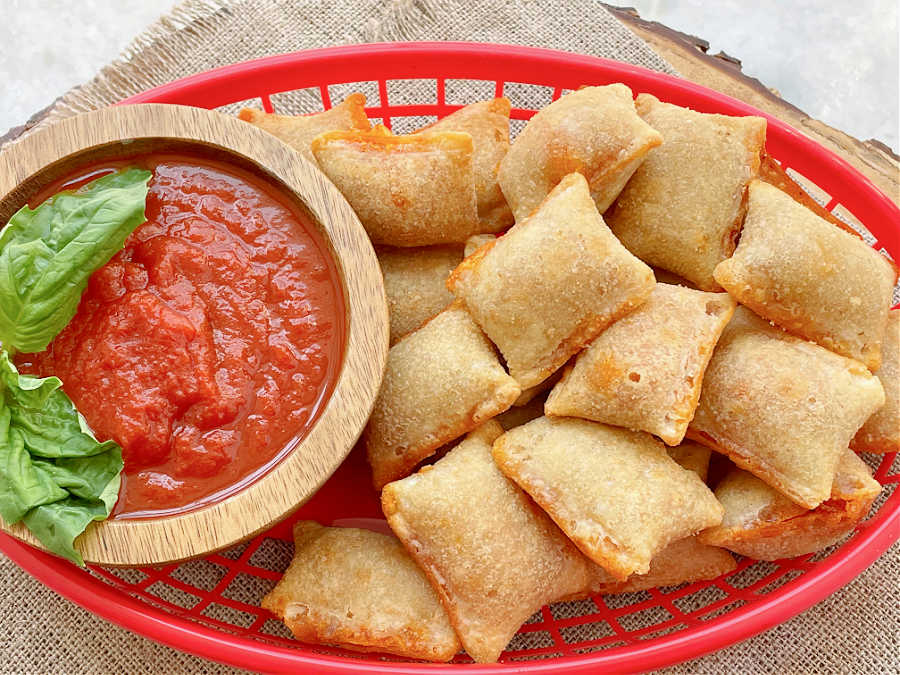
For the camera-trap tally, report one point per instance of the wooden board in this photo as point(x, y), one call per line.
point(40, 158)
point(688, 55)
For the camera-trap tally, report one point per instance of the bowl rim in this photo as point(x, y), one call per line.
point(293, 478)
point(303, 68)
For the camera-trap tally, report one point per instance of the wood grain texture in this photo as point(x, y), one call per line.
point(722, 72)
point(38, 159)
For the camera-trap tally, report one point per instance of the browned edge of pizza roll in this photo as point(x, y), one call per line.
point(441, 381)
point(298, 131)
point(360, 590)
point(414, 190)
point(551, 283)
point(763, 524)
point(493, 557)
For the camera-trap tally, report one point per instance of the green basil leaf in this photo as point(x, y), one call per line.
point(85, 477)
point(27, 390)
point(55, 430)
point(57, 525)
point(110, 494)
point(94, 485)
point(23, 486)
point(45, 417)
point(48, 254)
point(54, 475)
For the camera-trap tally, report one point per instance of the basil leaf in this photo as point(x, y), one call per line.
point(45, 417)
point(26, 390)
point(23, 486)
point(55, 430)
point(54, 475)
point(48, 254)
point(86, 477)
point(58, 524)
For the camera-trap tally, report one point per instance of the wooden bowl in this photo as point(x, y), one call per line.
point(44, 156)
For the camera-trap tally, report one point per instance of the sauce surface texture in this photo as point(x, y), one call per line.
point(206, 344)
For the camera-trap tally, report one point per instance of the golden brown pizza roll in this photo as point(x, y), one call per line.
point(360, 590)
point(782, 408)
point(616, 493)
point(415, 282)
point(545, 288)
point(413, 190)
point(761, 523)
point(298, 131)
point(682, 209)
point(440, 382)
point(644, 372)
point(492, 555)
point(881, 432)
point(810, 277)
point(487, 122)
point(594, 131)
point(685, 560)
point(476, 241)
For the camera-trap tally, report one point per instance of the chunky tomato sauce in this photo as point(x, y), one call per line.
point(206, 344)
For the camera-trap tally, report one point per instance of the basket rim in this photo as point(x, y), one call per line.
point(873, 538)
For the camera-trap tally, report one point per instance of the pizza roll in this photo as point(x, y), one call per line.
point(413, 190)
point(614, 492)
point(682, 209)
point(476, 241)
point(685, 560)
point(360, 590)
point(545, 288)
point(298, 131)
point(492, 555)
point(594, 131)
point(682, 561)
point(415, 282)
point(810, 277)
point(487, 122)
point(761, 523)
point(440, 382)
point(881, 432)
point(644, 372)
point(782, 408)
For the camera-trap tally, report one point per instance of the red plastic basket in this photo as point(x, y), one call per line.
point(210, 607)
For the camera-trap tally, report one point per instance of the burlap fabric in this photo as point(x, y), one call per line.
point(855, 630)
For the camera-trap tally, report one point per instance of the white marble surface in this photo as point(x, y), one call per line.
point(837, 60)
point(49, 46)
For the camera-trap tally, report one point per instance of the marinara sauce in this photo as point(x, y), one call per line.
point(207, 343)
